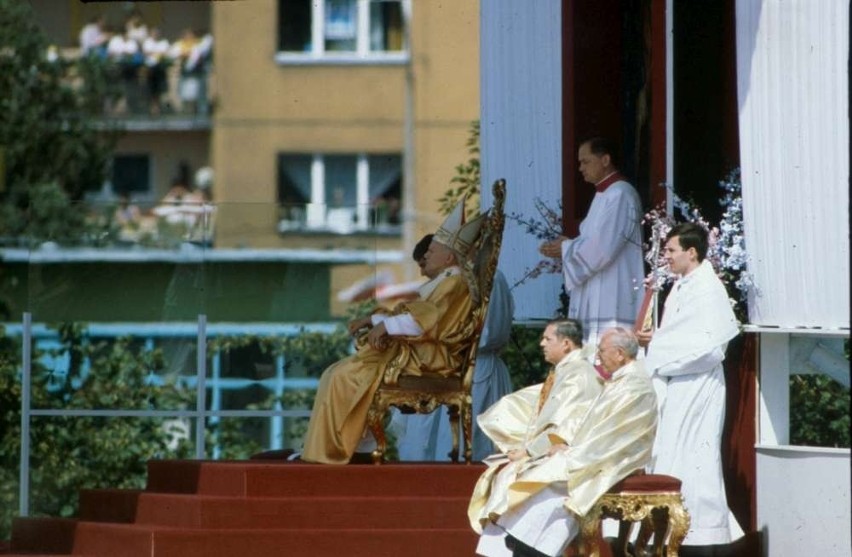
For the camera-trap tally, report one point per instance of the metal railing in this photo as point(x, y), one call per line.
point(36, 334)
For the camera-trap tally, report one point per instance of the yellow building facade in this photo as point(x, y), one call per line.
point(332, 124)
point(337, 108)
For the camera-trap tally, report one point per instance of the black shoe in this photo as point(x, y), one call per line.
point(361, 458)
point(276, 454)
point(520, 549)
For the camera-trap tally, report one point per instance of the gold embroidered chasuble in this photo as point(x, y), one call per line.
point(612, 439)
point(347, 387)
point(615, 439)
point(515, 423)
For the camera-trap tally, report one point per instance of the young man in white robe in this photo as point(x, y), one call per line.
point(603, 266)
point(427, 437)
point(564, 448)
point(684, 358)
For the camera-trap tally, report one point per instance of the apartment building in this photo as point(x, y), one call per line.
point(329, 125)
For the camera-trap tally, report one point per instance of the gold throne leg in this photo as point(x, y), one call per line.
point(453, 411)
point(467, 426)
point(678, 525)
point(374, 423)
point(659, 519)
point(590, 532)
point(645, 531)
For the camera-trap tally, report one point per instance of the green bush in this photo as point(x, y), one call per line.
point(524, 358)
point(819, 412)
point(71, 453)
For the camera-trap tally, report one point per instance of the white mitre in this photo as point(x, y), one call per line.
point(457, 234)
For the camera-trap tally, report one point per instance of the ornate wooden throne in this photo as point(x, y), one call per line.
point(425, 393)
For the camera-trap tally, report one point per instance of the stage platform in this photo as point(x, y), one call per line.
point(267, 508)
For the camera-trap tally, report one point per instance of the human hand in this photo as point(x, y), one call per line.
point(358, 324)
point(557, 448)
point(516, 454)
point(644, 337)
point(552, 248)
point(378, 337)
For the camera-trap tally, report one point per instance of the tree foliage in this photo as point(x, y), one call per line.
point(80, 373)
point(524, 358)
point(70, 453)
point(467, 177)
point(53, 145)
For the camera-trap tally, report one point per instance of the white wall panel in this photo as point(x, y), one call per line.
point(803, 501)
point(521, 118)
point(793, 89)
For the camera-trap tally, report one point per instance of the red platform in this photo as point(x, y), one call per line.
point(251, 508)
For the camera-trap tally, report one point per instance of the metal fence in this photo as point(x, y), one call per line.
point(203, 380)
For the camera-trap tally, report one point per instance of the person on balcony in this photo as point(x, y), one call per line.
point(94, 37)
point(421, 336)
point(156, 49)
point(563, 446)
point(127, 54)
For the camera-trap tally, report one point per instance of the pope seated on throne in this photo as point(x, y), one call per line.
point(422, 336)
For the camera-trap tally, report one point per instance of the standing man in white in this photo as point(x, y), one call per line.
point(603, 266)
point(685, 362)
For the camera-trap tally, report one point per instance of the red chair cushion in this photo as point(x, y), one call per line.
point(646, 483)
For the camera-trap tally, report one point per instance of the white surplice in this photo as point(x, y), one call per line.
point(603, 267)
point(685, 360)
point(427, 437)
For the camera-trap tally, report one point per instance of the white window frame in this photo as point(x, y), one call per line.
point(362, 53)
point(317, 210)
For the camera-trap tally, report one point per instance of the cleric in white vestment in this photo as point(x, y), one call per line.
point(685, 361)
point(603, 266)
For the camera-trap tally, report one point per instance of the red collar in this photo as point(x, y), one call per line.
point(601, 186)
point(603, 373)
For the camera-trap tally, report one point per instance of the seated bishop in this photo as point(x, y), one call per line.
point(565, 443)
point(426, 335)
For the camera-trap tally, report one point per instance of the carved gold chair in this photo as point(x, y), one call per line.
point(654, 500)
point(423, 394)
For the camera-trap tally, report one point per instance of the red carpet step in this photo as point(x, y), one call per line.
point(246, 508)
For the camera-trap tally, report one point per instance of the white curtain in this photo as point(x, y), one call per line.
point(521, 133)
point(793, 89)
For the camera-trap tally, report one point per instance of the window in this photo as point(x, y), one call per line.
point(312, 31)
point(340, 193)
point(131, 175)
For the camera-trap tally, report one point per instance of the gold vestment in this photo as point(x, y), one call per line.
point(613, 439)
point(347, 387)
point(515, 423)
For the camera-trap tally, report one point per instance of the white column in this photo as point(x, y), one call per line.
point(362, 37)
point(318, 28)
point(362, 193)
point(521, 132)
point(774, 414)
point(316, 208)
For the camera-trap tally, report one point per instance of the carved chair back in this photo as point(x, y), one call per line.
point(425, 393)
